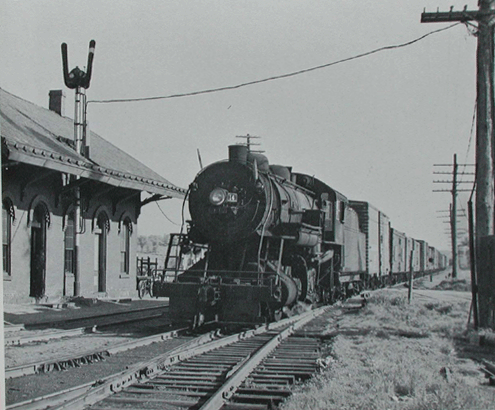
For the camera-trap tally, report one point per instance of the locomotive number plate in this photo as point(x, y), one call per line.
point(231, 197)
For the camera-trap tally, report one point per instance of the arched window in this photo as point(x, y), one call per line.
point(69, 244)
point(125, 246)
point(101, 230)
point(7, 220)
point(39, 223)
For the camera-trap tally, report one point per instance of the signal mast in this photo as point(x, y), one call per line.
point(78, 80)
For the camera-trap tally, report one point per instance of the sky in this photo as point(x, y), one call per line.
point(372, 128)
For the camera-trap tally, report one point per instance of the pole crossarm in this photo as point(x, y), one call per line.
point(449, 190)
point(451, 165)
point(450, 182)
point(462, 16)
point(459, 173)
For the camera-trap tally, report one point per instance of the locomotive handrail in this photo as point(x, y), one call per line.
point(313, 227)
point(210, 271)
point(248, 279)
point(289, 182)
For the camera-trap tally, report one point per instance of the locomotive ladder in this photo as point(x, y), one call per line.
point(175, 253)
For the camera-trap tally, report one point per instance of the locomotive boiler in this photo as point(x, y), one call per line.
point(262, 233)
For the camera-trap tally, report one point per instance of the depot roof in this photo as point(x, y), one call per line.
point(37, 136)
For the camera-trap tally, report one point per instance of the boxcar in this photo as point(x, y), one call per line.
point(423, 256)
point(398, 254)
point(376, 227)
point(416, 255)
point(354, 249)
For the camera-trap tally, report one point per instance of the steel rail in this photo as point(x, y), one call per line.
point(86, 357)
point(21, 339)
point(227, 390)
point(114, 382)
point(10, 327)
point(489, 371)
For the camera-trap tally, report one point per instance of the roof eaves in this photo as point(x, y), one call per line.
point(42, 158)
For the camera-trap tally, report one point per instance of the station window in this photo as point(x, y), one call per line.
point(7, 219)
point(125, 246)
point(69, 254)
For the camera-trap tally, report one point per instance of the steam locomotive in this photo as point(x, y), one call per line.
point(262, 239)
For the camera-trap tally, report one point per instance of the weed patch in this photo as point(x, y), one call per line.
point(406, 359)
point(460, 285)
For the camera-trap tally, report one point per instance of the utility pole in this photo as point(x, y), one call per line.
point(249, 144)
point(453, 219)
point(453, 236)
point(472, 263)
point(453, 206)
point(485, 144)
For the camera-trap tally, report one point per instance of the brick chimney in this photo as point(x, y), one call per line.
point(57, 102)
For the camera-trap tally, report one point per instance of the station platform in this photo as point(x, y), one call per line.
point(34, 315)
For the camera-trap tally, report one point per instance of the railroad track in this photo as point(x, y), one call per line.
point(253, 369)
point(78, 356)
point(86, 357)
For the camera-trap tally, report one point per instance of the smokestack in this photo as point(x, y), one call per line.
point(238, 153)
point(57, 102)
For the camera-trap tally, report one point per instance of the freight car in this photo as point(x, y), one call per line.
point(270, 238)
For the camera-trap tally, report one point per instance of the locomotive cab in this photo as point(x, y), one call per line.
point(332, 203)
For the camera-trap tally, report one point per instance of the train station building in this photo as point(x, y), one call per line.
point(41, 175)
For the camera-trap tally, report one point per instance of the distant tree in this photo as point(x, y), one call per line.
point(153, 243)
point(141, 242)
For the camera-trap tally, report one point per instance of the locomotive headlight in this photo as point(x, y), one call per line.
point(218, 196)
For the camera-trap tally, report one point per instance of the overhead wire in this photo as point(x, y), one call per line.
point(469, 147)
point(165, 215)
point(473, 123)
point(276, 77)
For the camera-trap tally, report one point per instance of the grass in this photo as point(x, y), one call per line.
point(395, 355)
point(461, 285)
